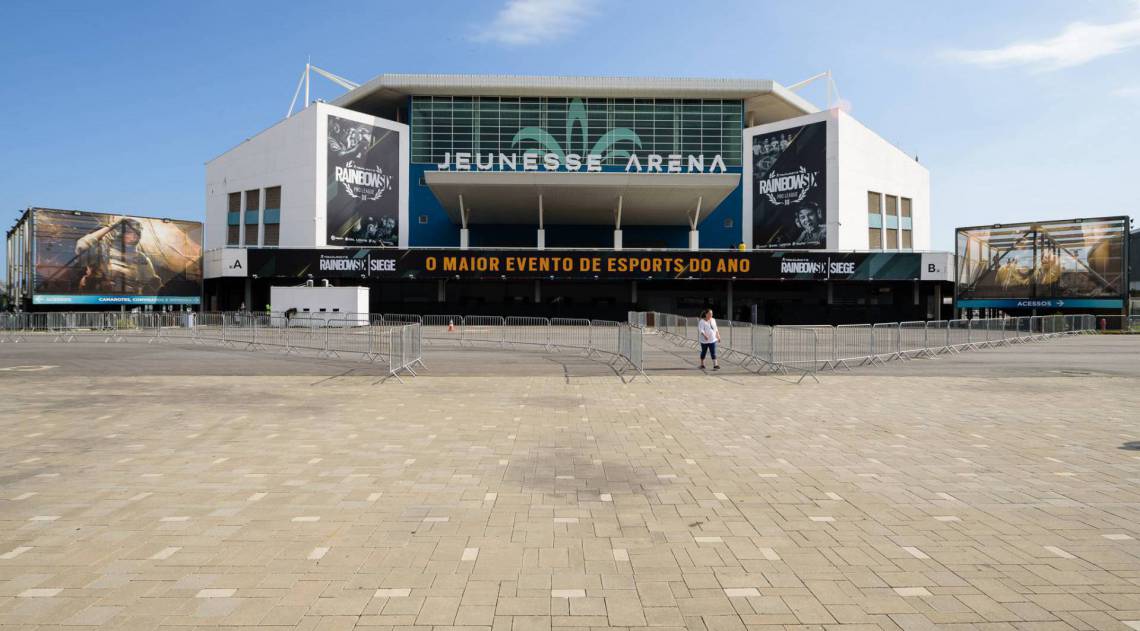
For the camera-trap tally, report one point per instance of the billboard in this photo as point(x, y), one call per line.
point(362, 184)
point(84, 258)
point(789, 188)
point(1078, 263)
point(371, 264)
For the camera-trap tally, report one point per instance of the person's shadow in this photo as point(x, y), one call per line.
point(1133, 445)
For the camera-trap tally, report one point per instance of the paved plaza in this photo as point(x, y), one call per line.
point(161, 486)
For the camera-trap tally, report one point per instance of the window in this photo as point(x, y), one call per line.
point(252, 214)
point(272, 234)
point(271, 217)
point(874, 220)
point(892, 217)
point(875, 238)
point(233, 219)
point(490, 124)
point(905, 225)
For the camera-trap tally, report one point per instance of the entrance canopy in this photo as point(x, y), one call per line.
point(643, 199)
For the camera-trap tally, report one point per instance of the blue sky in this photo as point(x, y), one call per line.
point(1021, 110)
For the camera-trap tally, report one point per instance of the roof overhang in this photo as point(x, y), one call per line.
point(509, 197)
point(765, 101)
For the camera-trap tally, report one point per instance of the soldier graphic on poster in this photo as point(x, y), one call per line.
point(91, 258)
point(113, 263)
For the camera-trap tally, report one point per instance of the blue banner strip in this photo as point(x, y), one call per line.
point(67, 299)
point(1042, 303)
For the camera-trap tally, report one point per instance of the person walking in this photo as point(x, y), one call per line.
point(708, 335)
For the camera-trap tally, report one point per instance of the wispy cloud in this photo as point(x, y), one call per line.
point(1078, 44)
point(525, 22)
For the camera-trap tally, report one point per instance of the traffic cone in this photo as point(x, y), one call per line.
point(451, 326)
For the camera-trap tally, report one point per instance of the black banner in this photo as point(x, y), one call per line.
point(363, 185)
point(381, 264)
point(789, 188)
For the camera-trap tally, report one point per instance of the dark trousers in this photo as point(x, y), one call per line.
point(708, 348)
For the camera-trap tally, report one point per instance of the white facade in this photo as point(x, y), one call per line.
point(225, 262)
point(858, 162)
point(291, 154)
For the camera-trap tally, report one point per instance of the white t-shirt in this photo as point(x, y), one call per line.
point(706, 330)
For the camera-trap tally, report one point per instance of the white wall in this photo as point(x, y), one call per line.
point(858, 161)
point(284, 155)
point(228, 262)
point(292, 154)
point(869, 163)
point(323, 303)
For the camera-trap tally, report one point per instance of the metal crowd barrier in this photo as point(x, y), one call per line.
point(398, 338)
point(397, 343)
point(814, 348)
point(570, 333)
point(621, 342)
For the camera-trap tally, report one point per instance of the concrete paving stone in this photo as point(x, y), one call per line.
point(571, 500)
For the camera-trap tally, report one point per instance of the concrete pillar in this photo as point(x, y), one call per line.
point(441, 290)
point(694, 219)
point(248, 293)
point(464, 234)
point(728, 293)
point(633, 292)
point(537, 292)
point(830, 293)
point(541, 225)
point(617, 223)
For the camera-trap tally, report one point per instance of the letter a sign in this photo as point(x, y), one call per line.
point(237, 263)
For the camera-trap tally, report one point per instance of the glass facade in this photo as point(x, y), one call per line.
point(612, 128)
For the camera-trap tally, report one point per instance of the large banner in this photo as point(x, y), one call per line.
point(363, 184)
point(86, 258)
point(789, 188)
point(364, 264)
point(1051, 264)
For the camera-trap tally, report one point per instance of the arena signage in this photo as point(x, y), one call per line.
point(379, 264)
point(573, 162)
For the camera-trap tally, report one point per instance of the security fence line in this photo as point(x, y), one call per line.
point(396, 345)
point(619, 344)
point(757, 348)
point(813, 348)
point(391, 338)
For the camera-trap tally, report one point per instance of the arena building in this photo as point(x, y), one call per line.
point(578, 196)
